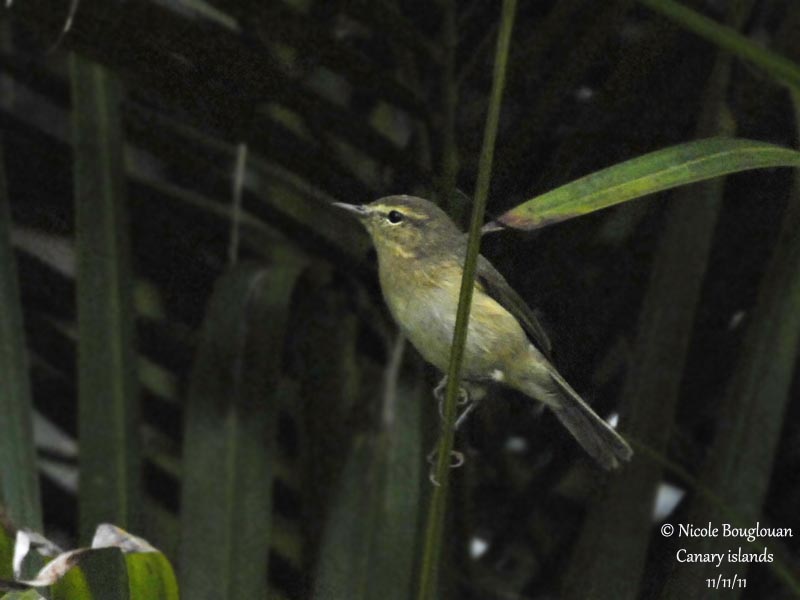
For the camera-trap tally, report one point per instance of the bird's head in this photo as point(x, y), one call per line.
point(406, 226)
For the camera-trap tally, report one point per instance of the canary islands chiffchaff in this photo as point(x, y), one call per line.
point(420, 262)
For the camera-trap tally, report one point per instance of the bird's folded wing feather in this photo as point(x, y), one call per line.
point(495, 285)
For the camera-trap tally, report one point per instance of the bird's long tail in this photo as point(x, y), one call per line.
point(596, 436)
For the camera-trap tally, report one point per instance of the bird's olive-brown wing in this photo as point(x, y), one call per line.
point(495, 285)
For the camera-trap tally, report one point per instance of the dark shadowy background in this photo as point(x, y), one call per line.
point(352, 100)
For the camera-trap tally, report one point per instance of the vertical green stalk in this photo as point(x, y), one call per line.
point(237, 190)
point(19, 480)
point(436, 512)
point(108, 412)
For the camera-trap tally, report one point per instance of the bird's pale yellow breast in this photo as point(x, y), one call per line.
point(423, 299)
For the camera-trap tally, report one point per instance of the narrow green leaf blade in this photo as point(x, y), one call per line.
point(369, 543)
point(648, 174)
point(230, 434)
point(107, 380)
point(344, 558)
point(394, 547)
point(19, 480)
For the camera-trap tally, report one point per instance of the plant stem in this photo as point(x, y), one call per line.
point(435, 525)
point(237, 190)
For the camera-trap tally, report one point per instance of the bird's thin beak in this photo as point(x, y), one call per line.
point(358, 210)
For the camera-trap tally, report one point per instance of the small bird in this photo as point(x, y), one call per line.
point(421, 255)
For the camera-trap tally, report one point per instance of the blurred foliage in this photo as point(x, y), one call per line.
point(121, 126)
point(230, 448)
point(19, 487)
point(653, 382)
point(108, 398)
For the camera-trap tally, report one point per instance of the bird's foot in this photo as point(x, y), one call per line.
point(456, 460)
point(456, 457)
point(439, 393)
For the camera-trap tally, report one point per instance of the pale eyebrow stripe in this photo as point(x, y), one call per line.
point(405, 211)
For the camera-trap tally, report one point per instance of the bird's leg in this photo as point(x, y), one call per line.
point(465, 413)
point(456, 458)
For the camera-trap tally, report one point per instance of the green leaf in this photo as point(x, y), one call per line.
point(368, 548)
point(6, 554)
point(150, 575)
point(654, 172)
point(780, 68)
point(107, 378)
point(230, 433)
point(332, 376)
point(109, 574)
point(19, 479)
point(345, 555)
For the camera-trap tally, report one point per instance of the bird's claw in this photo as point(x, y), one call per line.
point(439, 393)
point(457, 460)
point(463, 400)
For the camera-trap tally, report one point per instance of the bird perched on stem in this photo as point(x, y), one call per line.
point(420, 262)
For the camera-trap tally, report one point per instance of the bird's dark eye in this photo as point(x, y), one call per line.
point(395, 216)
